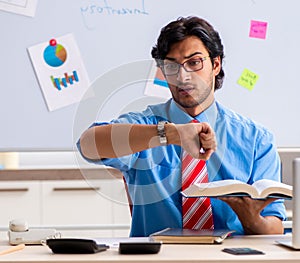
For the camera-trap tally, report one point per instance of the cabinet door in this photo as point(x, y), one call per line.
point(121, 211)
point(76, 202)
point(20, 200)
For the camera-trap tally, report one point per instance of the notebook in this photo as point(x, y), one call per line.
point(190, 236)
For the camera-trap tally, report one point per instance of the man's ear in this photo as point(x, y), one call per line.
point(217, 65)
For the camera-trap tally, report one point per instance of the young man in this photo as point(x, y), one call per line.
point(148, 152)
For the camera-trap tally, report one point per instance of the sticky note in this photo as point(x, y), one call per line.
point(248, 79)
point(258, 29)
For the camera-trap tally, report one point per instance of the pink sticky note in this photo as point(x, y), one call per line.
point(258, 29)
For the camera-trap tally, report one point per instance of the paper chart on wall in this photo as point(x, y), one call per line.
point(22, 7)
point(60, 71)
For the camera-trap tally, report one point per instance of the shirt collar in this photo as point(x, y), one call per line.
point(179, 116)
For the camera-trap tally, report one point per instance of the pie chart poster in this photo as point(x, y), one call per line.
point(60, 71)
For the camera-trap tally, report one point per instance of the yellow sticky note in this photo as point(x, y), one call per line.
point(248, 79)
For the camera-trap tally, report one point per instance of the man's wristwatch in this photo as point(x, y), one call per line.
point(162, 133)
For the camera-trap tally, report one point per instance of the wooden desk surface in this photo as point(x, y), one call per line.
point(168, 253)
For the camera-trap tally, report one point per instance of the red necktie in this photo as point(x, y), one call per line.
point(196, 212)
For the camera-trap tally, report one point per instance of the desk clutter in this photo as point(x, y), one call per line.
point(89, 246)
point(137, 245)
point(20, 233)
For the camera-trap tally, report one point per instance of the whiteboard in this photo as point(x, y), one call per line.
point(113, 33)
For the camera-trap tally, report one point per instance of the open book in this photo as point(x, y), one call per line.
point(190, 236)
point(260, 189)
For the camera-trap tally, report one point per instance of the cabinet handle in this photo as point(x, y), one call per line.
point(76, 189)
point(14, 189)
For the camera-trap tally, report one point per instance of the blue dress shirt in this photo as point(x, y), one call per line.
point(246, 152)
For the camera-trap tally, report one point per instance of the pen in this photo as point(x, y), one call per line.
point(12, 249)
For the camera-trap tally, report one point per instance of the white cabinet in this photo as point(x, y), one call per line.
point(120, 206)
point(67, 203)
point(76, 202)
point(19, 199)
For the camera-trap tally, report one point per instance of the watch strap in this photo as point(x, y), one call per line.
point(162, 133)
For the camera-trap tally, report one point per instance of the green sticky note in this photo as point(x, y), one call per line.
point(248, 79)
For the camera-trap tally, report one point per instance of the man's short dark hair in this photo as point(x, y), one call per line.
point(182, 28)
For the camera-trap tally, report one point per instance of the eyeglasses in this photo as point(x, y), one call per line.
point(191, 65)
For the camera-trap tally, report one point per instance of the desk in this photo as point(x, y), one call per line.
point(168, 253)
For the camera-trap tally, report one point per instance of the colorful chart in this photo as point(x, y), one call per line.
point(67, 79)
point(55, 54)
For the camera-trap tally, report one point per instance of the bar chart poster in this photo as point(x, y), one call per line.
point(60, 71)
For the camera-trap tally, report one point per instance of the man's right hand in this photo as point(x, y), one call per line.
point(198, 139)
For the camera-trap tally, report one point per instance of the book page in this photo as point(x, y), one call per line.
point(217, 184)
point(259, 189)
point(266, 187)
point(220, 188)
